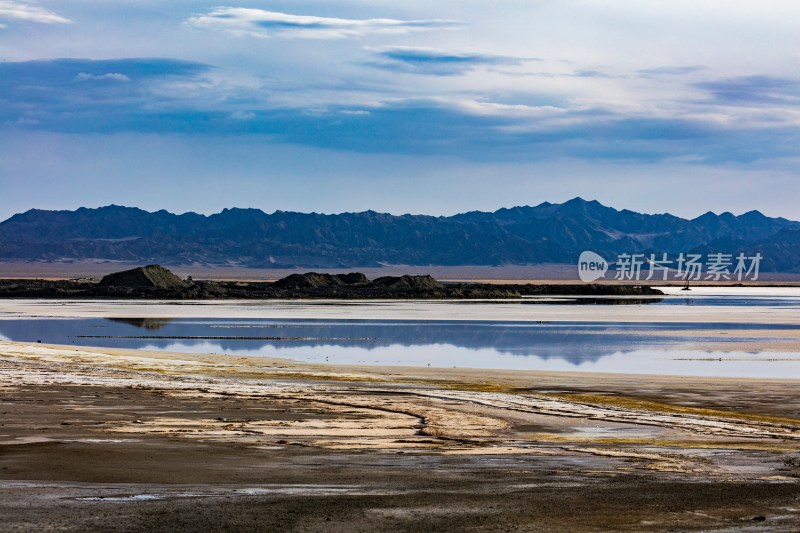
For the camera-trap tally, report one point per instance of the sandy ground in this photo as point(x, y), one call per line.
point(119, 440)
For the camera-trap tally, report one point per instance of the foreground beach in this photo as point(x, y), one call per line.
point(102, 439)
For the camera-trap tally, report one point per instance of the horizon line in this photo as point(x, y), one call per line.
point(542, 204)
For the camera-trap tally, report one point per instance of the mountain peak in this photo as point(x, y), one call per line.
point(579, 205)
point(708, 215)
point(577, 201)
point(753, 215)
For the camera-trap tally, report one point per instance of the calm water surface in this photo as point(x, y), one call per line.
point(597, 347)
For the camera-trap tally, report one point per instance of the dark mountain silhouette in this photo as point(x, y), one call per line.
point(546, 233)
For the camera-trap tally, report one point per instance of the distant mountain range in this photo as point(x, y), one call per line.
point(546, 233)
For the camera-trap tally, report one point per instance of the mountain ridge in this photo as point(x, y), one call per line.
point(543, 233)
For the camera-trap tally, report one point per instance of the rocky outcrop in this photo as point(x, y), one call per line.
point(155, 282)
point(405, 283)
point(147, 277)
point(314, 280)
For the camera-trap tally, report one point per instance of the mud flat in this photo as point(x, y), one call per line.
point(119, 440)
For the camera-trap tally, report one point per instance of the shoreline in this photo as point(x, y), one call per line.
point(511, 378)
point(138, 441)
point(399, 310)
point(152, 441)
point(470, 380)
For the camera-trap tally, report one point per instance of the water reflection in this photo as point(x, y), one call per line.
point(146, 323)
point(609, 347)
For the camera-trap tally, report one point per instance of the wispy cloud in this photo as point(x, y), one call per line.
point(167, 96)
point(262, 23)
point(30, 12)
point(84, 93)
point(670, 71)
point(55, 72)
point(754, 90)
point(111, 76)
point(432, 61)
point(592, 73)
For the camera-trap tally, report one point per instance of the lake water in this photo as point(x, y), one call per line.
point(653, 347)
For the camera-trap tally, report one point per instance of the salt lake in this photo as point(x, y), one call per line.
point(697, 333)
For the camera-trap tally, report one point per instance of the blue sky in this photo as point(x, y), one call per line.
point(422, 107)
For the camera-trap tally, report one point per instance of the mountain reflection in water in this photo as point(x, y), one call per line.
point(573, 342)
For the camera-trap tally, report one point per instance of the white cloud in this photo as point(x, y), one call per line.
point(111, 76)
point(262, 23)
point(10, 10)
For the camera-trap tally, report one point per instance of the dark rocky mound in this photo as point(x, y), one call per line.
point(315, 280)
point(414, 283)
point(353, 278)
point(583, 289)
point(147, 277)
point(155, 282)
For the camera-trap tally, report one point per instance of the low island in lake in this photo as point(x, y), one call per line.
point(157, 282)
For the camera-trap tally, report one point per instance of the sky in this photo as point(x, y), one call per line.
point(404, 107)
